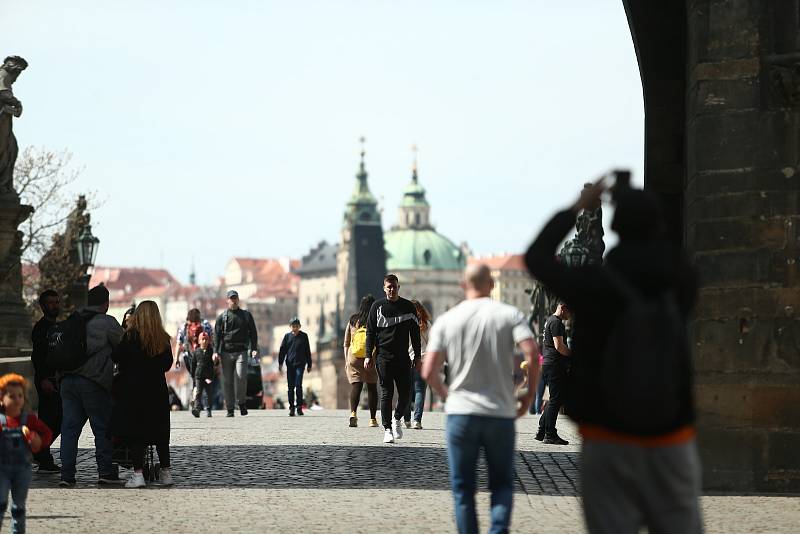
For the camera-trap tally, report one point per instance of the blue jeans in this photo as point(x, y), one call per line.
point(15, 478)
point(84, 399)
point(466, 435)
point(294, 376)
point(418, 390)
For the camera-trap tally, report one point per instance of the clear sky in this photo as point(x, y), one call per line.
point(215, 128)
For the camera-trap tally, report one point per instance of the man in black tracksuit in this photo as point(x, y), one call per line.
point(235, 339)
point(296, 352)
point(44, 377)
point(392, 322)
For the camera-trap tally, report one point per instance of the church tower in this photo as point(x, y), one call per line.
point(361, 260)
point(414, 212)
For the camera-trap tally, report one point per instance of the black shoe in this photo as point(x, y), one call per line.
point(66, 483)
point(48, 469)
point(299, 411)
point(555, 440)
point(539, 435)
point(243, 409)
point(291, 412)
point(230, 413)
point(110, 480)
point(208, 413)
point(196, 413)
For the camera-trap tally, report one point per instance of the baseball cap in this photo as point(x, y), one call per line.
point(233, 293)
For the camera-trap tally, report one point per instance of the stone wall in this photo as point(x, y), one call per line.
point(742, 217)
point(722, 106)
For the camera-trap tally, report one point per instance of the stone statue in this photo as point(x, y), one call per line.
point(14, 319)
point(10, 107)
point(586, 248)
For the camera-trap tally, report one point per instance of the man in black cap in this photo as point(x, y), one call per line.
point(296, 352)
point(235, 339)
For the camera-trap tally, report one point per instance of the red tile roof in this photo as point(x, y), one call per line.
point(501, 262)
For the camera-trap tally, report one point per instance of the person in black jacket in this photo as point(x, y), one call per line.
point(628, 477)
point(141, 409)
point(391, 324)
point(204, 362)
point(235, 339)
point(44, 377)
point(296, 352)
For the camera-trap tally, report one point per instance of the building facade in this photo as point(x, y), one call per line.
point(511, 279)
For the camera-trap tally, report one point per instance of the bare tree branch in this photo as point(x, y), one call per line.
point(43, 178)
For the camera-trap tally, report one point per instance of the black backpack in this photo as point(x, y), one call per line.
point(646, 365)
point(66, 343)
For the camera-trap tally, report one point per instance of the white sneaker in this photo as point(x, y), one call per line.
point(408, 424)
point(136, 481)
point(388, 437)
point(397, 429)
point(417, 425)
point(165, 477)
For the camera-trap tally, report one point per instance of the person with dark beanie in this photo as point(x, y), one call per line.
point(86, 392)
point(631, 374)
point(44, 377)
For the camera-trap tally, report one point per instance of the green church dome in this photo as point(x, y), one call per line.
point(421, 249)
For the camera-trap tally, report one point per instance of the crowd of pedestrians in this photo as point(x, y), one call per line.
point(623, 374)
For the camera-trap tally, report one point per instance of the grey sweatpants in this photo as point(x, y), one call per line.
point(627, 486)
point(234, 378)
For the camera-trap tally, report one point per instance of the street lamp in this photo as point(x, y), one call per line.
point(87, 248)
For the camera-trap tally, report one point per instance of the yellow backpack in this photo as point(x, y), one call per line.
point(358, 343)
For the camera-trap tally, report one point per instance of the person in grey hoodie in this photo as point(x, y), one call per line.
point(86, 392)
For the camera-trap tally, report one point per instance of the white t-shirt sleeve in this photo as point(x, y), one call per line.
point(520, 329)
point(436, 340)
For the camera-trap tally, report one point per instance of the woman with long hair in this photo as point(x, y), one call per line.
point(418, 386)
point(141, 412)
point(355, 337)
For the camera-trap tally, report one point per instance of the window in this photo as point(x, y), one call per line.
point(427, 256)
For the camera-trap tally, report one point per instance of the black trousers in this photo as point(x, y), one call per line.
point(49, 414)
point(396, 371)
point(137, 447)
point(555, 377)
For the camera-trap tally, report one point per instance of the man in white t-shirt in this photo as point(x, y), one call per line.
point(477, 338)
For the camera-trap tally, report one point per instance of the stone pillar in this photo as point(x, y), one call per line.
point(742, 206)
point(335, 391)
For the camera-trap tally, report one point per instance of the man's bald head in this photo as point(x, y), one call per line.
point(478, 279)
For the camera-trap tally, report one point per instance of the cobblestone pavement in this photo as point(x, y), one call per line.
point(267, 471)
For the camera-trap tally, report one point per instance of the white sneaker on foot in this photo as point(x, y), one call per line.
point(416, 425)
point(408, 424)
point(165, 477)
point(136, 481)
point(388, 437)
point(397, 429)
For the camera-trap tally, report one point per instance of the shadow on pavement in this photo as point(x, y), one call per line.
point(342, 467)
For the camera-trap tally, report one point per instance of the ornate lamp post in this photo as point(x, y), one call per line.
point(85, 252)
point(87, 248)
